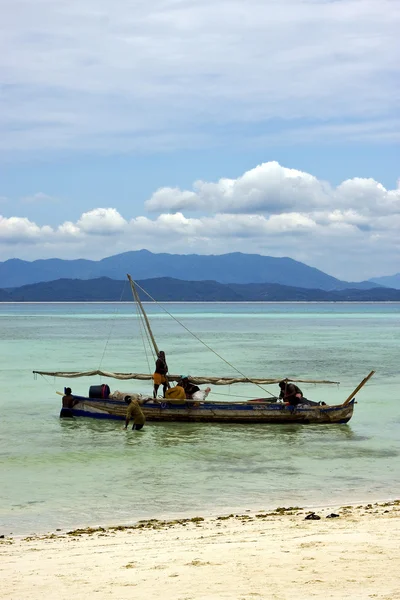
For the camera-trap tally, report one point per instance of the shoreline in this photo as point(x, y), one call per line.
point(351, 551)
point(186, 518)
point(186, 515)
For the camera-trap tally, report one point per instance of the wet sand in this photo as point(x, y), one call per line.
point(277, 554)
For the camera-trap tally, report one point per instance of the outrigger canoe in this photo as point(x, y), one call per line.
point(257, 410)
point(261, 411)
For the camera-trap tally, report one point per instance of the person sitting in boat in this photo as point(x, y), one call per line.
point(192, 391)
point(68, 403)
point(290, 393)
point(135, 412)
point(160, 374)
point(176, 393)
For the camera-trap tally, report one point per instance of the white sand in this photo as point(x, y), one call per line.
point(355, 556)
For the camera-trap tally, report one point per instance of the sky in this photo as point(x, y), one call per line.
point(202, 126)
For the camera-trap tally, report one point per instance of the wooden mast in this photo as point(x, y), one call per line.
point(358, 388)
point(137, 299)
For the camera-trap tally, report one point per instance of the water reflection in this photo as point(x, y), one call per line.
point(167, 435)
point(91, 426)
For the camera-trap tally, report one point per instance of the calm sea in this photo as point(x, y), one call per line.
point(57, 473)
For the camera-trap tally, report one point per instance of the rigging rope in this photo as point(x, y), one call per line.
point(52, 385)
point(144, 333)
point(111, 327)
point(201, 341)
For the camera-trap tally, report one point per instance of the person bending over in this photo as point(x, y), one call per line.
point(290, 393)
point(176, 393)
point(135, 413)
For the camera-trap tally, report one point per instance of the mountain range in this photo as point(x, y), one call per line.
point(233, 268)
point(392, 281)
point(167, 289)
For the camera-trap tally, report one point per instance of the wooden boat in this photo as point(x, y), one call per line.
point(263, 411)
point(257, 410)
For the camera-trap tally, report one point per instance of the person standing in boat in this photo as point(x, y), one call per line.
point(290, 393)
point(160, 374)
point(68, 403)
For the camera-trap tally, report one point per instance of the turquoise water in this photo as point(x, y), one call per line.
point(57, 474)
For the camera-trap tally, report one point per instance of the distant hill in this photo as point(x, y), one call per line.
point(392, 281)
point(142, 264)
point(167, 289)
point(4, 296)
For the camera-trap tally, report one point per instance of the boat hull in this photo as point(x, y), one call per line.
point(217, 412)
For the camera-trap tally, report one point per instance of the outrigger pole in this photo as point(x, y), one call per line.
point(137, 299)
point(358, 388)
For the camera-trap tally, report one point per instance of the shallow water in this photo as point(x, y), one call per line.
point(61, 473)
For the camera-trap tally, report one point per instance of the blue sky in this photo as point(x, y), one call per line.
point(198, 126)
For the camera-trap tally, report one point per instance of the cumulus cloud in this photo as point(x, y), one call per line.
point(273, 189)
point(269, 210)
point(17, 230)
point(267, 188)
point(116, 75)
point(102, 221)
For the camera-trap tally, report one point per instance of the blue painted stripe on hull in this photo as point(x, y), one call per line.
point(222, 406)
point(290, 415)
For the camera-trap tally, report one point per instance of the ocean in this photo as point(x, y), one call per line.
point(58, 474)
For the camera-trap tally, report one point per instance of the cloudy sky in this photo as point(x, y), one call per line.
point(206, 126)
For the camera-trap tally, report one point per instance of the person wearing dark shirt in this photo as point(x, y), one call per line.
point(190, 388)
point(290, 393)
point(160, 374)
point(68, 403)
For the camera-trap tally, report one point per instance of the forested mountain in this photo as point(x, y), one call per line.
point(142, 264)
point(168, 289)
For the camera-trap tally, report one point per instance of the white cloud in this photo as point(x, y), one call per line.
point(273, 189)
point(102, 221)
point(69, 230)
point(269, 210)
point(17, 230)
point(268, 187)
point(114, 75)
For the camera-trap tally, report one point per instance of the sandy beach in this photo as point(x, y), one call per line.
point(276, 554)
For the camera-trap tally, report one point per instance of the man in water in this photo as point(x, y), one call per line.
point(135, 412)
point(68, 403)
point(160, 374)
